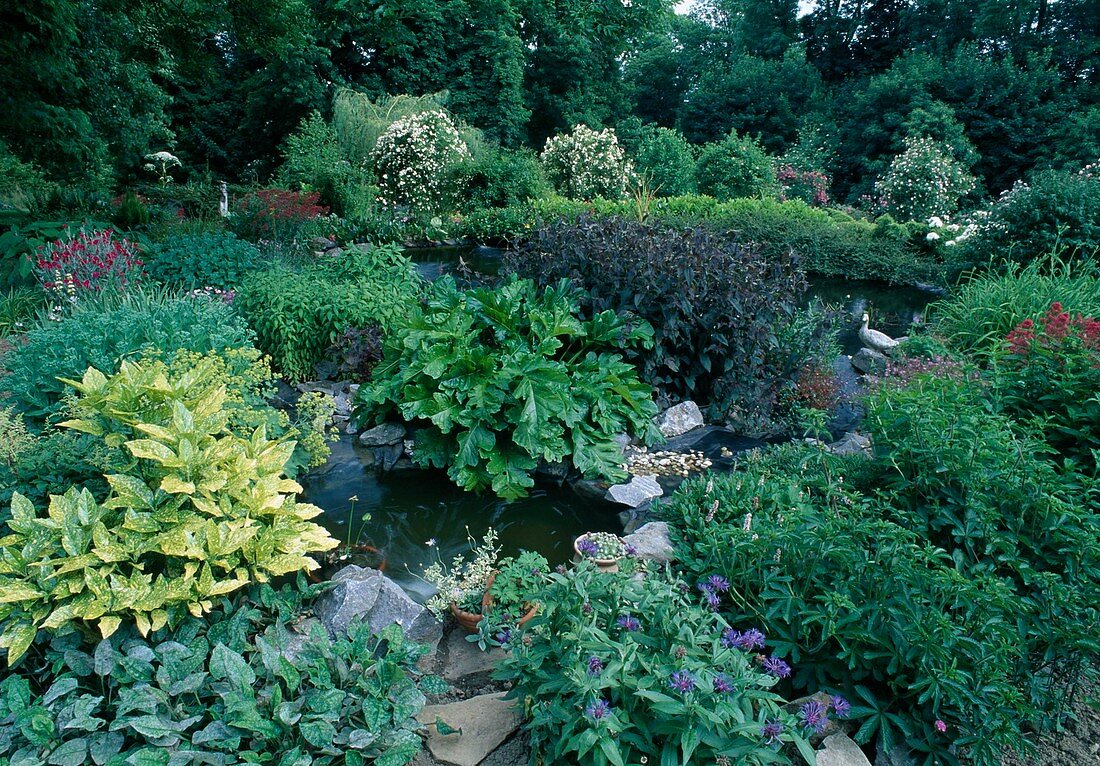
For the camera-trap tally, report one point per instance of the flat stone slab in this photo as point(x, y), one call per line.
point(383, 435)
point(638, 491)
point(840, 750)
point(484, 723)
point(464, 659)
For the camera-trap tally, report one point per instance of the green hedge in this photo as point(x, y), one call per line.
point(830, 242)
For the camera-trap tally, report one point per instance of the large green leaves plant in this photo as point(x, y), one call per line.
point(236, 687)
point(498, 379)
point(195, 512)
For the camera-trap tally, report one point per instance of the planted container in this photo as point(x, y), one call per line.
point(603, 548)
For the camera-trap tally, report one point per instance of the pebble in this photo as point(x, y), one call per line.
point(641, 462)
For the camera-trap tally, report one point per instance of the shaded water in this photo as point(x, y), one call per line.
point(409, 508)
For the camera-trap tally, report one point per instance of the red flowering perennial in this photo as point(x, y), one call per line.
point(1058, 327)
point(276, 213)
point(88, 262)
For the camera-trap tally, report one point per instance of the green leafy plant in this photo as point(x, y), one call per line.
point(714, 302)
point(735, 167)
point(196, 512)
point(299, 315)
point(462, 582)
point(194, 261)
point(618, 669)
point(512, 597)
point(18, 308)
point(101, 333)
point(601, 545)
point(497, 379)
point(236, 687)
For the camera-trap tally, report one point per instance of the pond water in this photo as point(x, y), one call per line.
point(409, 508)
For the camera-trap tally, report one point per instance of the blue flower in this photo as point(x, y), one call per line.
point(772, 731)
point(597, 710)
point(628, 623)
point(595, 666)
point(682, 681)
point(722, 684)
point(718, 583)
point(841, 707)
point(776, 667)
point(815, 716)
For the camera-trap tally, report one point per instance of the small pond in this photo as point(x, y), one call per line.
point(408, 509)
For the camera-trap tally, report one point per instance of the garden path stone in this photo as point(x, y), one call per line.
point(680, 419)
point(851, 444)
point(485, 722)
point(651, 542)
point(465, 660)
point(638, 491)
point(371, 596)
point(869, 362)
point(840, 750)
point(383, 435)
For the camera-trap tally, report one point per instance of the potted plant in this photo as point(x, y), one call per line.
point(603, 548)
point(510, 593)
point(460, 587)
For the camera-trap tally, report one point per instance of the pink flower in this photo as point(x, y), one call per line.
point(941, 727)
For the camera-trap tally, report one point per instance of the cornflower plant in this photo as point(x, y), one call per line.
point(617, 669)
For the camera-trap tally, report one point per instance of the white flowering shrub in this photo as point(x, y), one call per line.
point(923, 181)
point(587, 163)
point(413, 159)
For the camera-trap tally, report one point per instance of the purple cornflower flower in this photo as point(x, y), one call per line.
point(682, 681)
point(630, 550)
point(595, 666)
point(586, 608)
point(814, 716)
point(841, 706)
point(597, 710)
point(776, 667)
point(735, 639)
point(713, 601)
point(722, 684)
point(628, 623)
point(504, 636)
point(772, 731)
point(717, 583)
point(588, 548)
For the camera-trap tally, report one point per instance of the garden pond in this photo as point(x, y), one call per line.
point(418, 516)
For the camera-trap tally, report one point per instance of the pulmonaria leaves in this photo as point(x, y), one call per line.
point(498, 379)
point(196, 512)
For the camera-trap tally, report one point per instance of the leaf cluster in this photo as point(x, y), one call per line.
point(715, 303)
point(498, 379)
point(236, 687)
point(298, 315)
point(195, 261)
point(196, 512)
point(577, 654)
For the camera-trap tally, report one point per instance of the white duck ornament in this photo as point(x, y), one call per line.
point(875, 340)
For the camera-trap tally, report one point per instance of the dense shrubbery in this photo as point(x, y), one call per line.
point(663, 159)
point(496, 380)
point(299, 315)
point(735, 167)
point(923, 181)
point(412, 161)
point(715, 304)
point(829, 242)
point(1052, 212)
point(276, 215)
point(194, 261)
point(102, 333)
point(195, 511)
point(220, 690)
point(586, 164)
point(496, 178)
point(618, 669)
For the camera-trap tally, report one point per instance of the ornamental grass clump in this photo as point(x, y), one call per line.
point(617, 669)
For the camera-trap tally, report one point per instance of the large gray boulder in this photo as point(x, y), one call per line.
point(680, 419)
point(651, 543)
point(482, 723)
point(383, 435)
point(369, 595)
point(869, 362)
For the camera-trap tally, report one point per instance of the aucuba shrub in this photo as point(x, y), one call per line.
point(495, 380)
point(586, 164)
point(197, 512)
point(1049, 373)
point(715, 303)
point(953, 577)
point(87, 262)
point(220, 690)
point(618, 669)
point(299, 315)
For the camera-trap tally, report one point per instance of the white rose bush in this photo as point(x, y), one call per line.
point(923, 181)
point(586, 164)
point(412, 160)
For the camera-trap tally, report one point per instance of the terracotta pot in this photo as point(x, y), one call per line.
point(604, 565)
point(466, 620)
point(487, 603)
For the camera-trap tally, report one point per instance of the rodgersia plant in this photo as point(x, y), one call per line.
point(586, 164)
point(412, 160)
